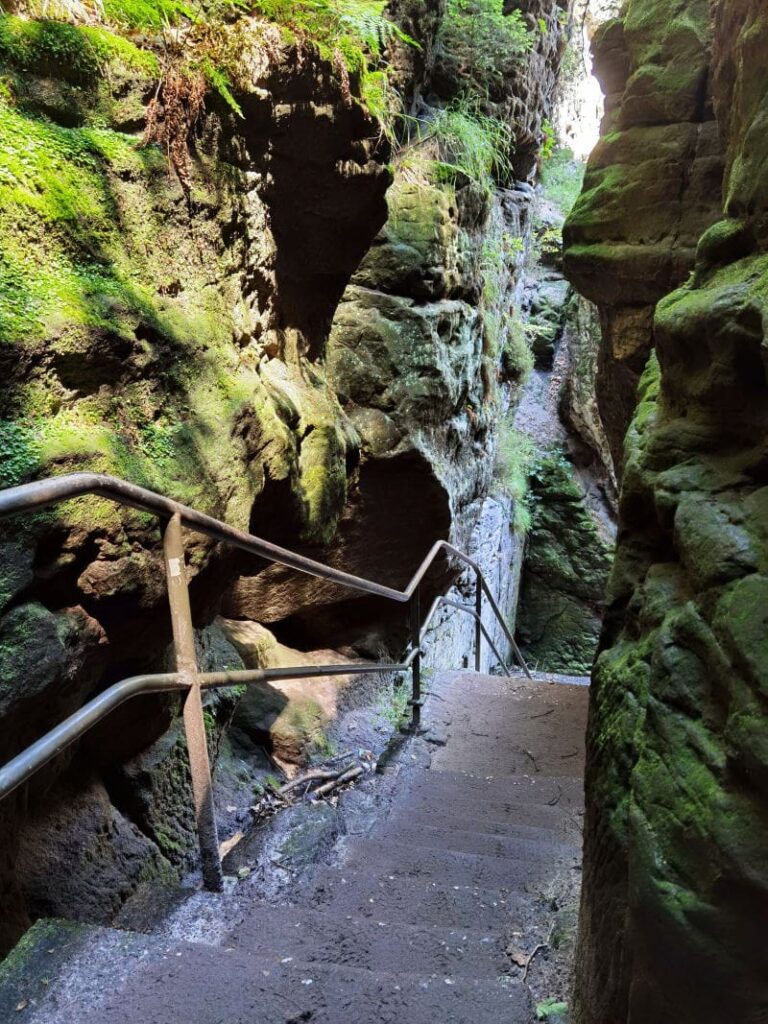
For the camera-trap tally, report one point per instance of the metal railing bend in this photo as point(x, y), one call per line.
point(187, 679)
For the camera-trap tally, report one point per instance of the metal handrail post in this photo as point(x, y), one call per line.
point(416, 665)
point(194, 722)
point(478, 621)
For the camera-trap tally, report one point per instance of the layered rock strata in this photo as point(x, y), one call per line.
point(652, 187)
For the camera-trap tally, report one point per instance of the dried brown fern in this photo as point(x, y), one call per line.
point(172, 115)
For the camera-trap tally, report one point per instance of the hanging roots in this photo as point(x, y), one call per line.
point(172, 116)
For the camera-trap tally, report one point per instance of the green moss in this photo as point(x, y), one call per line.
point(514, 456)
point(73, 52)
point(79, 267)
point(566, 570)
point(322, 482)
point(59, 205)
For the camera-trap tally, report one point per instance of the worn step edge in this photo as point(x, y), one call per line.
point(398, 859)
point(316, 935)
point(404, 900)
point(464, 840)
point(131, 979)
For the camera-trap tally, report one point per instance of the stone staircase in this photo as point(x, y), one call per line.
point(459, 862)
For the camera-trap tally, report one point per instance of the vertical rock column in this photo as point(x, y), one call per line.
point(676, 856)
point(652, 186)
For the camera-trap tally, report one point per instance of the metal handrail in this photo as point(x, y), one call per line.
point(52, 491)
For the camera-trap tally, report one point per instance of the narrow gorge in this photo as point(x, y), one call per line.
point(357, 278)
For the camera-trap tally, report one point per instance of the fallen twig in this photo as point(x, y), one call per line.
point(310, 776)
point(543, 714)
point(328, 787)
point(340, 757)
point(536, 950)
point(556, 799)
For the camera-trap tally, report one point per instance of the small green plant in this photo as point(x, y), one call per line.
point(548, 245)
point(323, 747)
point(549, 141)
point(461, 141)
point(515, 245)
point(480, 43)
point(550, 1008)
point(394, 706)
point(514, 456)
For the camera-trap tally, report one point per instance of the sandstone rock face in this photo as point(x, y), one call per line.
point(170, 332)
point(653, 186)
point(579, 407)
point(198, 334)
point(414, 357)
point(675, 868)
point(287, 718)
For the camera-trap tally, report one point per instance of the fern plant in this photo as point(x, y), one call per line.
point(462, 141)
point(352, 34)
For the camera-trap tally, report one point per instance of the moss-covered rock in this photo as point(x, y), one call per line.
point(675, 863)
point(169, 330)
point(565, 573)
point(653, 185)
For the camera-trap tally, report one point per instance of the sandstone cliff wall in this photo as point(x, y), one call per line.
point(197, 333)
point(652, 187)
point(675, 846)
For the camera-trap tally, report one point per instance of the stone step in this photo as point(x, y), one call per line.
point(396, 860)
point(416, 901)
point(511, 787)
point(312, 936)
point(525, 845)
point(565, 828)
point(497, 754)
point(447, 798)
point(530, 731)
point(87, 975)
point(205, 985)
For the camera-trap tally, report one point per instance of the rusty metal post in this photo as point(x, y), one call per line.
point(478, 622)
point(416, 667)
point(194, 723)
